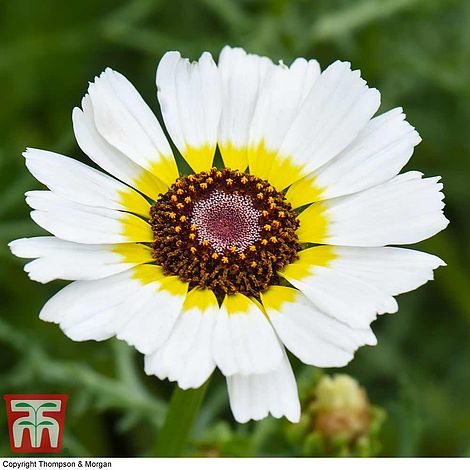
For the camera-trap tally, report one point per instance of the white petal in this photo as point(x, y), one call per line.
point(378, 153)
point(404, 210)
point(186, 356)
point(60, 259)
point(393, 270)
point(347, 299)
point(279, 100)
point(242, 76)
point(244, 341)
point(338, 107)
point(87, 309)
point(355, 284)
point(127, 123)
point(255, 396)
point(108, 157)
point(77, 182)
point(190, 100)
point(84, 224)
point(156, 313)
point(315, 337)
point(140, 312)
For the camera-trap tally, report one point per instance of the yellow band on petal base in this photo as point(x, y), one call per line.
point(134, 253)
point(150, 185)
point(276, 296)
point(199, 158)
point(309, 259)
point(174, 285)
point(235, 158)
point(237, 303)
point(314, 224)
point(284, 172)
point(317, 255)
point(150, 273)
point(200, 299)
point(165, 169)
point(265, 163)
point(135, 229)
point(134, 202)
point(260, 160)
point(304, 191)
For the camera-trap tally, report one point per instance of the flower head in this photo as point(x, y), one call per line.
point(282, 247)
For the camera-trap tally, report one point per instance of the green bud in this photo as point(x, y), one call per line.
point(341, 408)
point(337, 419)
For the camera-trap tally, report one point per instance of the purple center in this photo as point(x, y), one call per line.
point(226, 220)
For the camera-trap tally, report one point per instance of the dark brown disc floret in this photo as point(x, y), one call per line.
point(225, 230)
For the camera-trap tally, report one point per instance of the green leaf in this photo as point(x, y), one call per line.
point(48, 405)
point(45, 423)
point(24, 405)
point(26, 423)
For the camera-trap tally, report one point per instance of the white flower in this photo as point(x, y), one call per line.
point(221, 268)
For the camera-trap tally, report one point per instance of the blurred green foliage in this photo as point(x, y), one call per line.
point(417, 52)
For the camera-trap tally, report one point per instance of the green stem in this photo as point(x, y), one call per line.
point(182, 410)
point(35, 427)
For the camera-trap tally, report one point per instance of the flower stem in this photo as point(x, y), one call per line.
point(182, 410)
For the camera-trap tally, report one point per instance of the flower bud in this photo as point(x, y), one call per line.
point(337, 418)
point(341, 408)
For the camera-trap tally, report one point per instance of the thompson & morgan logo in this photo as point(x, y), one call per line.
point(36, 421)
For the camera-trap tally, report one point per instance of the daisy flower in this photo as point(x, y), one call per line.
point(283, 247)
